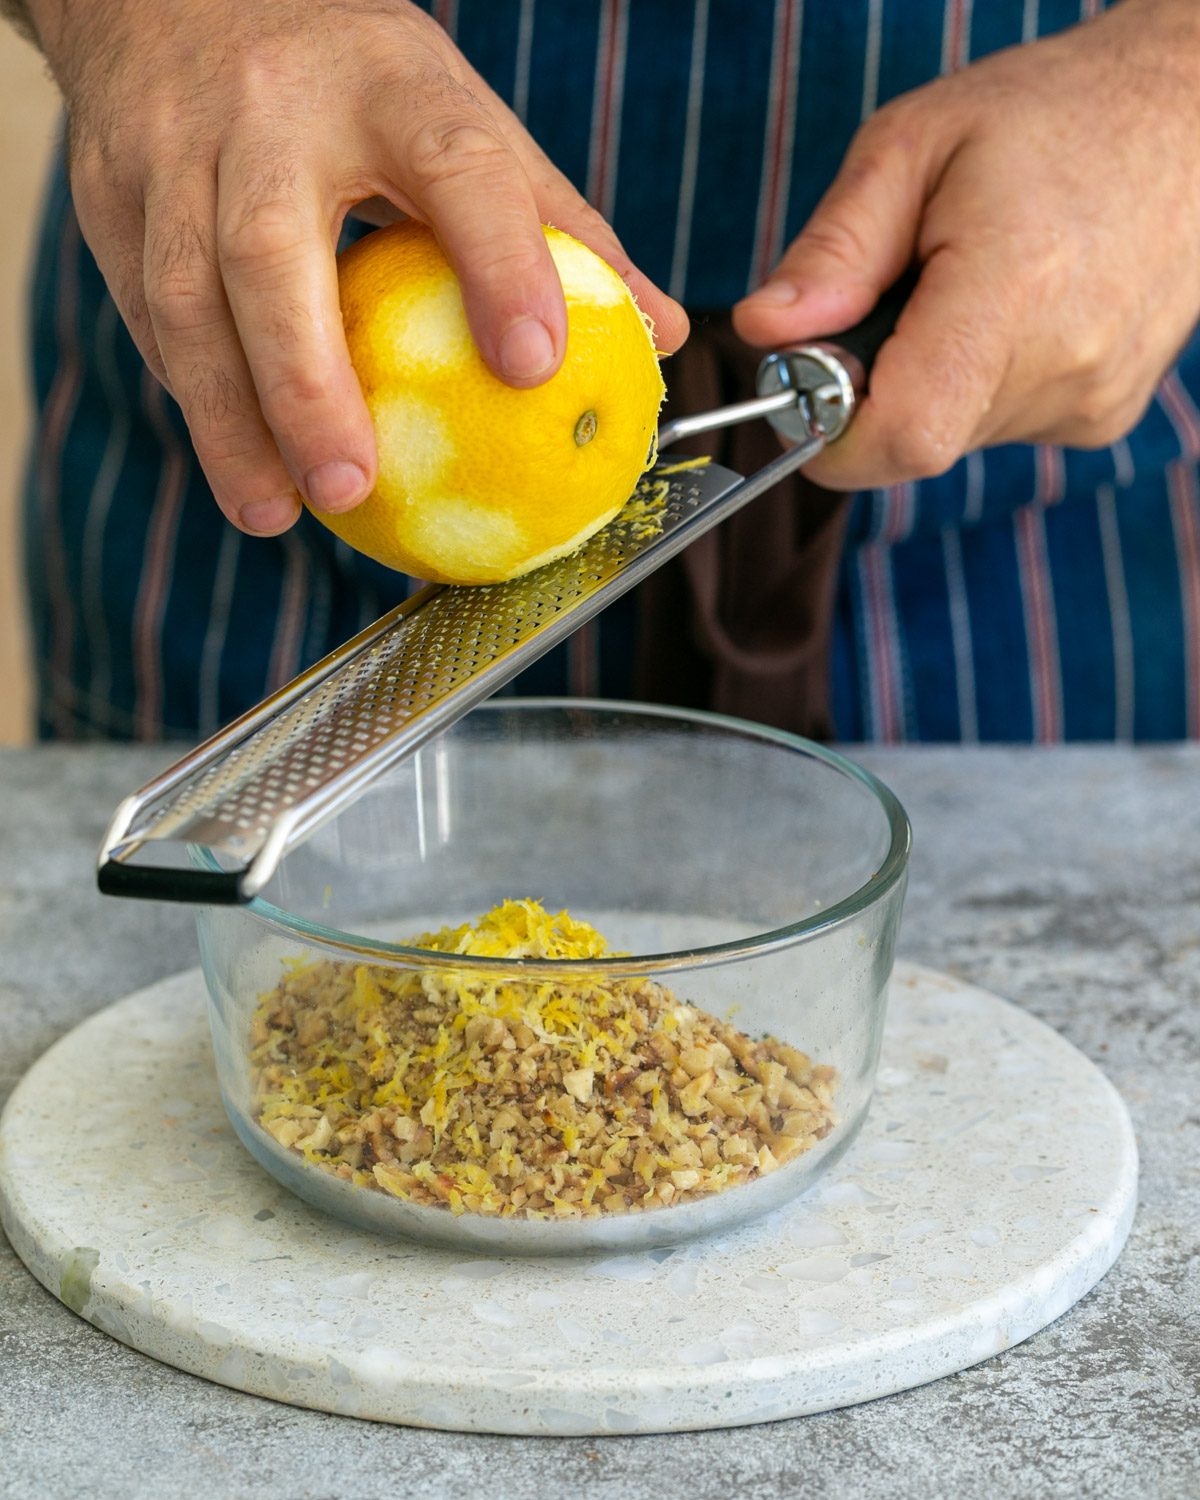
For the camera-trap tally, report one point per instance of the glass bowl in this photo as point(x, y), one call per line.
point(751, 875)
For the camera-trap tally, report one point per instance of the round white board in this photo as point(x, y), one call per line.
point(992, 1186)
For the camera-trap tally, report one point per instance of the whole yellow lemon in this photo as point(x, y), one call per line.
point(479, 482)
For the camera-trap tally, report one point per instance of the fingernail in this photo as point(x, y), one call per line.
point(775, 293)
point(267, 517)
point(526, 349)
point(335, 486)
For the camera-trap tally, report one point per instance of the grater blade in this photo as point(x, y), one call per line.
point(274, 776)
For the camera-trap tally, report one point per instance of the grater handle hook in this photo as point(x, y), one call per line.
point(808, 393)
point(828, 378)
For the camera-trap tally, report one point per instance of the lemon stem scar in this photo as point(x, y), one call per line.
point(585, 429)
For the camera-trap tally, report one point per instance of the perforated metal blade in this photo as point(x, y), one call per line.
point(275, 775)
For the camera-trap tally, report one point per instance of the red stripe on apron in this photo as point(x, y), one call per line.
point(882, 645)
point(1050, 475)
point(606, 108)
point(1182, 414)
point(1041, 632)
point(780, 116)
point(158, 563)
point(956, 35)
point(901, 511)
point(1185, 516)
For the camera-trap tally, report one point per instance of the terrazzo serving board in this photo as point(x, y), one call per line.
point(992, 1186)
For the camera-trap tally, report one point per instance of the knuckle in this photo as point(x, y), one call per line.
point(1100, 377)
point(292, 398)
point(602, 240)
point(449, 148)
point(1089, 358)
point(917, 447)
point(262, 72)
point(1106, 418)
point(226, 465)
point(512, 264)
point(260, 232)
point(917, 453)
point(927, 419)
point(886, 138)
point(89, 173)
point(178, 246)
point(95, 138)
point(162, 150)
point(1097, 406)
point(587, 222)
point(141, 331)
point(176, 283)
point(228, 447)
point(212, 401)
point(127, 290)
point(176, 302)
point(891, 124)
point(837, 237)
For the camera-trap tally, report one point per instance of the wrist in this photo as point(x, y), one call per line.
point(17, 13)
point(74, 36)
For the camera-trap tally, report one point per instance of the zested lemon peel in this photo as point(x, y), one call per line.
point(478, 482)
point(524, 1097)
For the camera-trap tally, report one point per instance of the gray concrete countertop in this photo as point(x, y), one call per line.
point(1067, 880)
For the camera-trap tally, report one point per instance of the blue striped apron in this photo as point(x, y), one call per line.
point(1031, 594)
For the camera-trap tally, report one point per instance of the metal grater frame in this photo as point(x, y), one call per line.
point(275, 775)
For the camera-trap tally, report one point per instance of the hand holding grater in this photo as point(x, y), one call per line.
point(273, 776)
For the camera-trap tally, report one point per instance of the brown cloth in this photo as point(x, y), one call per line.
point(742, 621)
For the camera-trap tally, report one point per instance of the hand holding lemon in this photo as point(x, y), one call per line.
point(477, 481)
point(217, 146)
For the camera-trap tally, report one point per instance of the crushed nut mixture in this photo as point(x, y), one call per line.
point(525, 1097)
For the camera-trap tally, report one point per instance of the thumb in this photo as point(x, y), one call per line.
point(861, 237)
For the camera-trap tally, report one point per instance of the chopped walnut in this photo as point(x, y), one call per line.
point(524, 1096)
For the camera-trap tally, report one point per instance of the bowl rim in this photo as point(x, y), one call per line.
point(891, 870)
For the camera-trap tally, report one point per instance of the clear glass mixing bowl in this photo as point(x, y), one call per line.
point(754, 875)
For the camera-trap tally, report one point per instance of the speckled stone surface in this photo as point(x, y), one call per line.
point(1067, 880)
point(992, 1186)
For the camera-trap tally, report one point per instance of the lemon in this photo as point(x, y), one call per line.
point(479, 482)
